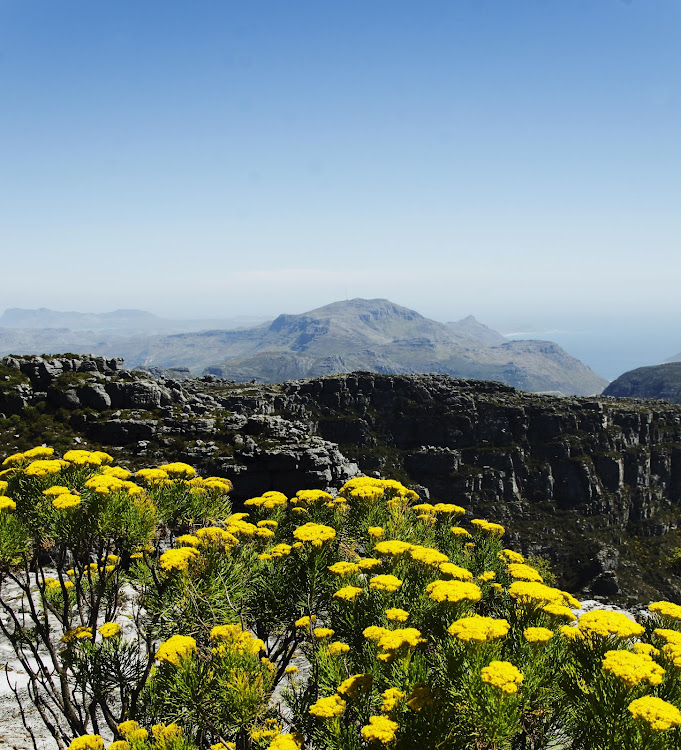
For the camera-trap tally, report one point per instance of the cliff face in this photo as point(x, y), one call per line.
point(594, 484)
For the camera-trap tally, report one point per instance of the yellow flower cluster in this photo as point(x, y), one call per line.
point(657, 713)
point(503, 676)
point(176, 648)
point(393, 641)
point(66, 501)
point(428, 556)
point(344, 568)
point(495, 530)
point(392, 547)
point(337, 648)
point(369, 563)
point(268, 500)
point(87, 458)
point(329, 707)
point(77, 633)
point(666, 609)
point(523, 572)
point(376, 532)
point(397, 615)
point(539, 595)
point(132, 731)
point(41, 468)
point(217, 536)
point(18, 459)
point(353, 686)
point(391, 697)
point(453, 591)
point(87, 742)
point(152, 476)
point(286, 742)
point(538, 635)
point(380, 729)
point(178, 470)
point(348, 593)
point(458, 531)
point(322, 633)
point(105, 484)
point(386, 583)
point(455, 571)
point(603, 622)
point(7, 504)
point(177, 559)
point(314, 533)
point(479, 629)
point(236, 640)
point(310, 497)
point(109, 629)
point(304, 622)
point(632, 668)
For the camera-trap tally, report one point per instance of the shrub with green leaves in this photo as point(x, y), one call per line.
point(146, 612)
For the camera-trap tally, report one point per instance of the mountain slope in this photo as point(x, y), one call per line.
point(657, 381)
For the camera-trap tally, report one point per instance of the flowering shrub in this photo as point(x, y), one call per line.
point(150, 616)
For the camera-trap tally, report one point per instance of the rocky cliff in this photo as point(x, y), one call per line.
point(593, 484)
point(657, 381)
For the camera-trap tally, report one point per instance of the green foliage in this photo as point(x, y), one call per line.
point(161, 619)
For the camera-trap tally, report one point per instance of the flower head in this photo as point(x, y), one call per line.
point(503, 676)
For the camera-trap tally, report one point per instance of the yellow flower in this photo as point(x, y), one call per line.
point(559, 611)
point(348, 593)
point(377, 532)
point(132, 731)
point(178, 470)
point(176, 648)
point(646, 648)
point(109, 629)
point(458, 531)
point(164, 733)
point(83, 458)
point(495, 530)
point(151, 476)
point(343, 568)
point(537, 594)
point(454, 571)
point(512, 557)
point(391, 697)
point(337, 648)
point(353, 686)
point(328, 708)
point(7, 504)
point(311, 497)
point(267, 522)
point(116, 471)
point(477, 629)
point(503, 676)
point(538, 635)
point(392, 547)
point(394, 640)
point(323, 632)
point(453, 591)
point(87, 742)
point(119, 745)
point(427, 556)
point(487, 576)
point(16, 459)
point(374, 633)
point(291, 670)
point(397, 615)
point(39, 452)
point(449, 509)
point(177, 559)
point(523, 572)
point(603, 622)
point(369, 563)
point(666, 609)
point(387, 583)
point(77, 633)
point(315, 533)
point(380, 729)
point(304, 621)
point(55, 490)
point(236, 639)
point(66, 502)
point(658, 714)
point(632, 668)
point(286, 742)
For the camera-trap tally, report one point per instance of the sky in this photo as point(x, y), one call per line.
point(518, 161)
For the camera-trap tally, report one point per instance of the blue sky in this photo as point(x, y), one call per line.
point(519, 161)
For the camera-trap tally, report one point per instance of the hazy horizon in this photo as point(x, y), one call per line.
point(514, 161)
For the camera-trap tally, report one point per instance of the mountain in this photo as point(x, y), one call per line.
point(374, 335)
point(658, 381)
point(380, 336)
